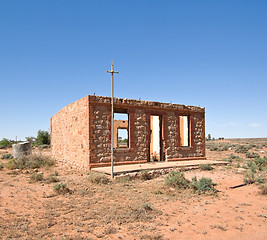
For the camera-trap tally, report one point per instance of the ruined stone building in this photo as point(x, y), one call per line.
point(144, 131)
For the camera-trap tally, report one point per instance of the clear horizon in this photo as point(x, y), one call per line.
point(202, 53)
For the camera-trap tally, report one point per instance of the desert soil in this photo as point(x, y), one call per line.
point(133, 209)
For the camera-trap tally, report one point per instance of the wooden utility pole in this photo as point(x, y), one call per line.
point(112, 115)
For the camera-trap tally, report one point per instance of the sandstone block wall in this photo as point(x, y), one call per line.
point(81, 132)
point(196, 136)
point(70, 134)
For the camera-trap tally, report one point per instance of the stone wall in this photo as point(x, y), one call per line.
point(70, 134)
point(100, 135)
point(196, 135)
point(81, 132)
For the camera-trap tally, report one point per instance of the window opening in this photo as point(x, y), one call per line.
point(121, 130)
point(122, 137)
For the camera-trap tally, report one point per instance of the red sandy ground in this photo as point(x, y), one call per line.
point(33, 211)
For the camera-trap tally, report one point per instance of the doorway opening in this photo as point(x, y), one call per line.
point(156, 142)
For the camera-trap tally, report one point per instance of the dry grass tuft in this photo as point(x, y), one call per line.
point(36, 177)
point(98, 178)
point(30, 162)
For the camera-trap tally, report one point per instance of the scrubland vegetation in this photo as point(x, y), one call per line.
point(44, 200)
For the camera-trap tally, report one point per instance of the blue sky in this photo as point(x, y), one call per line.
point(204, 53)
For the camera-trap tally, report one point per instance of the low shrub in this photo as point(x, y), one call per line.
point(1, 166)
point(177, 180)
point(260, 162)
point(234, 157)
point(249, 177)
point(145, 175)
point(98, 178)
point(4, 143)
point(252, 155)
point(203, 185)
point(159, 192)
point(52, 179)
point(12, 164)
point(213, 148)
point(242, 148)
point(252, 166)
point(36, 177)
point(260, 179)
point(61, 188)
point(206, 167)
point(147, 206)
point(218, 146)
point(30, 162)
point(7, 156)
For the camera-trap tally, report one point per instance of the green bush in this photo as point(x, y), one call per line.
point(98, 178)
point(177, 180)
point(7, 156)
point(61, 188)
point(43, 137)
point(30, 162)
point(5, 143)
point(206, 167)
point(37, 177)
point(203, 185)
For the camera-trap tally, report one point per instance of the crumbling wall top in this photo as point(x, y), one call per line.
point(142, 103)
